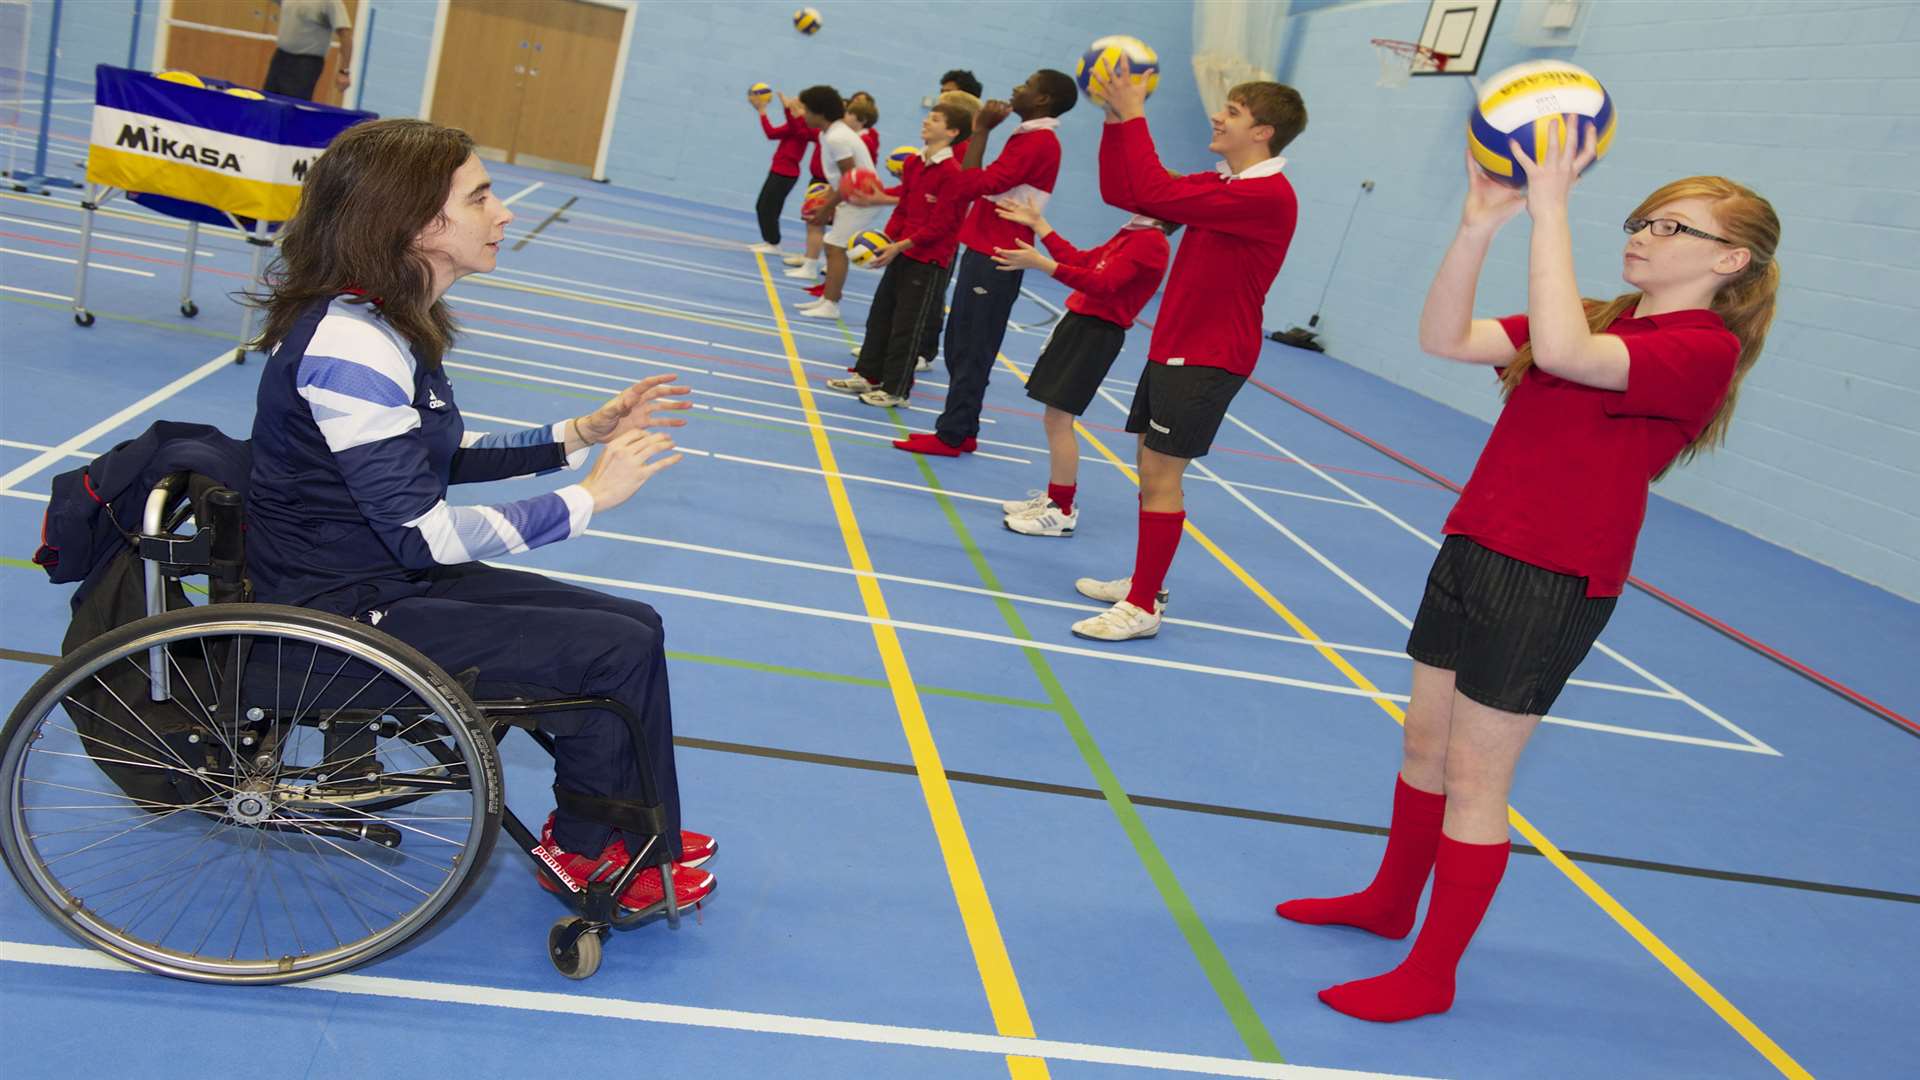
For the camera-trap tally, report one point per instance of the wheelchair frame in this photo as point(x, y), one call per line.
point(216, 550)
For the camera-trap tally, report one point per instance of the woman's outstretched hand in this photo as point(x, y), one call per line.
point(629, 460)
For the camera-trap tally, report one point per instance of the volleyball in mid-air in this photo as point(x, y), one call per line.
point(184, 78)
point(759, 93)
point(1098, 63)
point(1527, 103)
point(897, 159)
point(866, 247)
point(807, 20)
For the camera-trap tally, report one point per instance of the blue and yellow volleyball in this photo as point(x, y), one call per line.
point(1528, 103)
point(1097, 65)
point(866, 247)
point(897, 158)
point(759, 93)
point(807, 20)
point(816, 197)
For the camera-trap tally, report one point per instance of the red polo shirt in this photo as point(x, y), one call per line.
point(929, 210)
point(1238, 229)
point(793, 137)
point(1562, 482)
point(1115, 280)
point(1028, 165)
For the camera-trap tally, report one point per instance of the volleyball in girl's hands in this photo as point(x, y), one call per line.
point(759, 93)
point(898, 158)
point(816, 197)
point(1102, 58)
point(807, 20)
point(1528, 103)
point(866, 247)
point(858, 182)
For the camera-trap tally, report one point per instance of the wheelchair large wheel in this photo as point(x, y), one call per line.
point(190, 793)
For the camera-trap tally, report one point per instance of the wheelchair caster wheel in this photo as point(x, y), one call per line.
point(83, 318)
point(579, 960)
point(189, 309)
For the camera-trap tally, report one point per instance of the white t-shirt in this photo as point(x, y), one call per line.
point(838, 142)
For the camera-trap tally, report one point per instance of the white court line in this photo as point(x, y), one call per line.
point(523, 193)
point(31, 496)
point(49, 457)
point(75, 262)
point(1602, 646)
point(36, 292)
point(118, 238)
point(651, 1012)
point(875, 435)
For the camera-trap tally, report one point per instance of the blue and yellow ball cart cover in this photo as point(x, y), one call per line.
point(243, 156)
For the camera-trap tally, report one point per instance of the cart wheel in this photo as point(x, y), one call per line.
point(239, 356)
point(189, 309)
point(83, 318)
point(579, 961)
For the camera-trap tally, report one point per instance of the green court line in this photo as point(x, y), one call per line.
point(1226, 985)
point(754, 665)
point(155, 323)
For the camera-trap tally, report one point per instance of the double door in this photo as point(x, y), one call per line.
point(531, 80)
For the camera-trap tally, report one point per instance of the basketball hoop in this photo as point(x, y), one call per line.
point(1399, 58)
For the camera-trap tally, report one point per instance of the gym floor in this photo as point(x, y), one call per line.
point(956, 839)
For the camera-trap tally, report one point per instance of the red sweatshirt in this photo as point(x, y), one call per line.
point(793, 137)
point(930, 209)
point(813, 164)
point(871, 137)
point(1115, 280)
point(1027, 166)
point(1238, 230)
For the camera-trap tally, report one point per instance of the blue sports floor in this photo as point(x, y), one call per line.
point(958, 841)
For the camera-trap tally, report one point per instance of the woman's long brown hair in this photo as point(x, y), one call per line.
point(364, 201)
point(1744, 303)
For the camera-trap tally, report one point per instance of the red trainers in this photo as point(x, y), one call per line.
point(690, 886)
point(926, 442)
point(817, 290)
point(695, 849)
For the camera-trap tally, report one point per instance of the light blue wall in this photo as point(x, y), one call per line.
point(1814, 104)
point(91, 32)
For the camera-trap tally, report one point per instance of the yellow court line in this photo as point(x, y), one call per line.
point(1004, 999)
point(1648, 940)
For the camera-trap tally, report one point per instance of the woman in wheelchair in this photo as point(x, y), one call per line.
point(357, 438)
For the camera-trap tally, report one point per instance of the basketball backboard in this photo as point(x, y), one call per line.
point(1456, 29)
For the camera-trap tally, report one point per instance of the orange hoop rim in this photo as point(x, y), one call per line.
point(1412, 52)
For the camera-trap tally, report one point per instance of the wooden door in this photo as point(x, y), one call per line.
point(568, 84)
point(234, 40)
point(484, 51)
point(530, 80)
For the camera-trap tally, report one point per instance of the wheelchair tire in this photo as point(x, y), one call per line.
point(257, 868)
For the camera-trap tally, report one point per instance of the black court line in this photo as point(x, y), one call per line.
point(548, 220)
point(1212, 809)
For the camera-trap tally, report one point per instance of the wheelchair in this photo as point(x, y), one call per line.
point(238, 792)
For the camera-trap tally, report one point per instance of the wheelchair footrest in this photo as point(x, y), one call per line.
point(645, 819)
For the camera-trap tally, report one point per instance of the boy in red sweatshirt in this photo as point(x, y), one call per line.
point(791, 140)
point(1239, 222)
point(1111, 284)
point(926, 225)
point(983, 296)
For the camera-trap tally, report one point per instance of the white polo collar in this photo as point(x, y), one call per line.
point(1038, 123)
point(1252, 172)
point(945, 153)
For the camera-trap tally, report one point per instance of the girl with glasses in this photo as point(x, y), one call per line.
point(1602, 398)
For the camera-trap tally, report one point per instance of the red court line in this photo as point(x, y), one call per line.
point(155, 259)
point(1820, 679)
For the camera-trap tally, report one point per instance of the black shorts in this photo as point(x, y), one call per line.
point(1074, 361)
point(1179, 407)
point(1510, 632)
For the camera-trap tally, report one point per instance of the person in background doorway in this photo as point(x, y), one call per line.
point(307, 28)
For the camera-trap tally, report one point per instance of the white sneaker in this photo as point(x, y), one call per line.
point(821, 309)
point(794, 260)
point(1046, 521)
point(1112, 592)
point(856, 352)
point(1121, 622)
point(1036, 500)
point(880, 399)
point(804, 271)
point(852, 384)
point(925, 363)
point(764, 248)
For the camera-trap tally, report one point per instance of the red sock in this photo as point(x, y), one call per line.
point(1159, 538)
point(1464, 879)
point(1387, 906)
point(1062, 496)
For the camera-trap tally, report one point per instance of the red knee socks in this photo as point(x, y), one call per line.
point(1062, 496)
point(1159, 537)
point(1464, 879)
point(1387, 906)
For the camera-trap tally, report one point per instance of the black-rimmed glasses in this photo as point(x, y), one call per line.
point(1666, 227)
